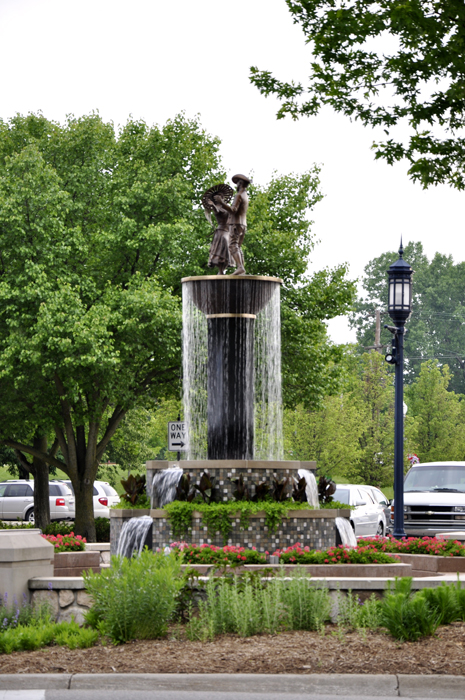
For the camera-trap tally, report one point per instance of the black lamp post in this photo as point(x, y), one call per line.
point(399, 307)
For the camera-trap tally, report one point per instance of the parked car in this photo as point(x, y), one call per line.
point(434, 498)
point(367, 518)
point(17, 500)
point(105, 496)
point(383, 500)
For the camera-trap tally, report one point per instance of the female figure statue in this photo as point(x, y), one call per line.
point(213, 201)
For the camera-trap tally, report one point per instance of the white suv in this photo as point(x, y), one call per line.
point(105, 496)
point(17, 500)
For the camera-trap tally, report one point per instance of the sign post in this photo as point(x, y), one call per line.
point(178, 437)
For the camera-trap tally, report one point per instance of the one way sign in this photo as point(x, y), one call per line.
point(178, 439)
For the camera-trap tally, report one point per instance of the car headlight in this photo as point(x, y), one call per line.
point(459, 509)
point(406, 509)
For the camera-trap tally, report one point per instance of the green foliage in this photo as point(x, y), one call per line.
point(218, 516)
point(354, 614)
point(246, 607)
point(408, 617)
point(230, 555)
point(386, 64)
point(207, 489)
point(135, 598)
point(102, 529)
point(439, 427)
point(135, 487)
point(435, 327)
point(32, 637)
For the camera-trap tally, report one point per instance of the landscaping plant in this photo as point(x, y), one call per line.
point(228, 555)
point(135, 598)
point(67, 543)
point(297, 554)
point(416, 545)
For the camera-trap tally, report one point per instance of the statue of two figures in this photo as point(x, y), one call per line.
point(226, 247)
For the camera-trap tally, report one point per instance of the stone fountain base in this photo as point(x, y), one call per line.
point(226, 471)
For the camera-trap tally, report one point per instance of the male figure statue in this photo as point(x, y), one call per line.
point(238, 221)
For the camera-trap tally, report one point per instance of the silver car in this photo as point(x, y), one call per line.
point(104, 497)
point(367, 518)
point(17, 500)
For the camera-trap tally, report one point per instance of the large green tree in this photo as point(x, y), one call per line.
point(96, 231)
point(436, 327)
point(439, 428)
point(387, 63)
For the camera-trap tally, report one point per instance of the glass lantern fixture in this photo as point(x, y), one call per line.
point(400, 289)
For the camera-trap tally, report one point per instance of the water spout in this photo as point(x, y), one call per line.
point(133, 536)
point(164, 485)
point(311, 490)
point(346, 532)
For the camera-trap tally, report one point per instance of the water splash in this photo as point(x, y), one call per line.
point(346, 532)
point(268, 439)
point(133, 535)
point(164, 485)
point(311, 490)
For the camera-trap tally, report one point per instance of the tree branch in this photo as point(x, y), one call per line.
point(53, 461)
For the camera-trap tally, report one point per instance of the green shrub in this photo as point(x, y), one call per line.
point(408, 617)
point(247, 606)
point(354, 614)
point(57, 528)
point(135, 598)
point(443, 600)
point(102, 529)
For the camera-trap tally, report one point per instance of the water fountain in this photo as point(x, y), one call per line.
point(135, 535)
point(232, 405)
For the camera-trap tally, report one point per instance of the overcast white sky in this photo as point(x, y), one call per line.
point(153, 58)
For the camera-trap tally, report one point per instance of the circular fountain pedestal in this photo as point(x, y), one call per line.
point(230, 305)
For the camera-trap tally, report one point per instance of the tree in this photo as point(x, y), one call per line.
point(387, 63)
point(436, 327)
point(439, 431)
point(96, 231)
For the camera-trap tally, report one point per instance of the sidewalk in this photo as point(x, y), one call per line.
point(361, 685)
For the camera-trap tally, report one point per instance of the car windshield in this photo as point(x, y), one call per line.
point(341, 495)
point(436, 478)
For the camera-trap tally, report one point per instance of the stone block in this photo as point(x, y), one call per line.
point(73, 612)
point(48, 597)
point(84, 599)
point(23, 554)
point(65, 598)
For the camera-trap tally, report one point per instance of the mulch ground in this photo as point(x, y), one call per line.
point(288, 652)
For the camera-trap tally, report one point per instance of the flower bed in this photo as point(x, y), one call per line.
point(367, 554)
point(67, 543)
point(221, 556)
point(416, 545)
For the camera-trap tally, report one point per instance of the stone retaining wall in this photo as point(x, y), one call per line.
point(66, 595)
point(313, 528)
point(431, 565)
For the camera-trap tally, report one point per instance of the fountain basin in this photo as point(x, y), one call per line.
point(227, 294)
point(313, 528)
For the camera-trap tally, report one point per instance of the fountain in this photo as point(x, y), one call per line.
point(232, 404)
point(346, 532)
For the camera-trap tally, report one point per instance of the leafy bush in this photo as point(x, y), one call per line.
point(67, 543)
point(135, 598)
point(408, 617)
point(246, 606)
point(416, 545)
point(296, 554)
point(326, 488)
point(22, 613)
point(102, 529)
point(352, 613)
point(40, 634)
point(135, 488)
point(9, 526)
point(57, 528)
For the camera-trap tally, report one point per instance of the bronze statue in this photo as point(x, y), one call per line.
point(238, 221)
point(215, 199)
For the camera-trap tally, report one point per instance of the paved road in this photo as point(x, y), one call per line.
point(147, 686)
point(128, 694)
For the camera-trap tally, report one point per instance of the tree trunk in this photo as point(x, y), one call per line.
point(40, 470)
point(84, 523)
